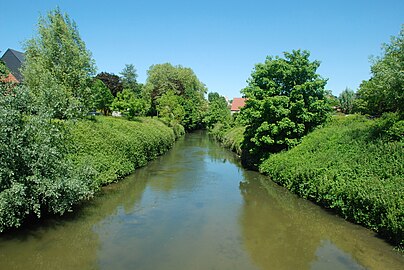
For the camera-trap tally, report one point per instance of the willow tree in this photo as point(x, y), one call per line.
point(58, 67)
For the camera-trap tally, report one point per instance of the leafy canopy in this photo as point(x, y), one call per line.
point(58, 67)
point(112, 81)
point(218, 111)
point(286, 100)
point(3, 70)
point(129, 79)
point(102, 97)
point(179, 81)
point(346, 100)
point(35, 176)
point(384, 91)
point(127, 103)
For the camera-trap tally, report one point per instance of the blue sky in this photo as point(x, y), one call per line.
point(220, 40)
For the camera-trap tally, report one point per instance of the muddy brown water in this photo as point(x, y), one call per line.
point(196, 208)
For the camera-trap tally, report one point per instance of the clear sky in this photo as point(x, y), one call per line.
point(220, 40)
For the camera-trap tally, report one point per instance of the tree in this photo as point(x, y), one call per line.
point(218, 111)
point(286, 100)
point(347, 100)
point(127, 103)
point(102, 96)
point(35, 176)
point(112, 81)
point(384, 91)
point(170, 109)
point(58, 68)
point(181, 81)
point(129, 79)
point(3, 70)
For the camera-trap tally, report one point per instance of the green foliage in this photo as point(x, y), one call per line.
point(112, 81)
point(129, 79)
point(3, 70)
point(178, 81)
point(390, 126)
point(286, 100)
point(332, 100)
point(169, 107)
point(218, 111)
point(58, 67)
point(114, 147)
point(331, 168)
point(102, 96)
point(127, 103)
point(346, 100)
point(231, 138)
point(384, 91)
point(35, 178)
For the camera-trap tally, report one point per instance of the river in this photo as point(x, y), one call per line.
point(196, 208)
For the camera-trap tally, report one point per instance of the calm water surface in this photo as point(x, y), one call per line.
point(196, 208)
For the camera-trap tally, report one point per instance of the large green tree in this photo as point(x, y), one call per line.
point(169, 107)
point(112, 81)
point(129, 79)
point(129, 104)
point(35, 176)
point(58, 68)
point(218, 111)
point(102, 97)
point(346, 100)
point(384, 91)
point(181, 81)
point(286, 100)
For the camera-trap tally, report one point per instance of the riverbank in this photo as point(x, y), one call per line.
point(345, 167)
point(115, 147)
point(48, 166)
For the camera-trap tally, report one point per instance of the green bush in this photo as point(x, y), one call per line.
point(35, 177)
point(231, 138)
point(114, 147)
point(345, 167)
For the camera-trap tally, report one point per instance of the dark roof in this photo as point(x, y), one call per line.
point(19, 55)
point(13, 60)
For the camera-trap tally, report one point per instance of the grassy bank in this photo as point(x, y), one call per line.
point(230, 138)
point(114, 147)
point(345, 167)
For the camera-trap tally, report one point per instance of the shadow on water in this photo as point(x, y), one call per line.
point(282, 231)
point(196, 208)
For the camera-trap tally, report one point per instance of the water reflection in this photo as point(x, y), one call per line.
point(281, 231)
point(68, 242)
point(196, 208)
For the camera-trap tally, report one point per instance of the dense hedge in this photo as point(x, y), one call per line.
point(114, 147)
point(350, 167)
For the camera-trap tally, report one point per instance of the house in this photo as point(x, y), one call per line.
point(237, 104)
point(13, 60)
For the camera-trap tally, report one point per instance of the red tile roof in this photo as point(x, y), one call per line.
point(9, 79)
point(237, 104)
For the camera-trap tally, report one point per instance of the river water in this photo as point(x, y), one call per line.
point(196, 208)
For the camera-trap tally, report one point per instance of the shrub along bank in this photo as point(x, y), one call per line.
point(230, 138)
point(349, 166)
point(114, 147)
point(48, 165)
